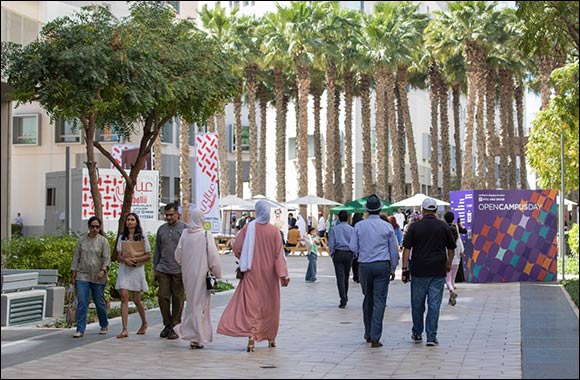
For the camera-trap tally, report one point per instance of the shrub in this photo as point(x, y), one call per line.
point(573, 239)
point(571, 287)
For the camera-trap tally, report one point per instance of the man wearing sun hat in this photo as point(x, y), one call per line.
point(433, 250)
point(374, 243)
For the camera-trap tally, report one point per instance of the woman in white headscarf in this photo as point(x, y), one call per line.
point(197, 253)
point(254, 310)
point(301, 225)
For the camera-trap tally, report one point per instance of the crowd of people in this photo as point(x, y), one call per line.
point(185, 253)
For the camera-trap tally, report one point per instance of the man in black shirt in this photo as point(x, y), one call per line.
point(433, 249)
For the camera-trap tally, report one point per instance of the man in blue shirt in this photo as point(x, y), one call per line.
point(338, 244)
point(375, 244)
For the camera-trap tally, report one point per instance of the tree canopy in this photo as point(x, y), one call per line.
point(130, 75)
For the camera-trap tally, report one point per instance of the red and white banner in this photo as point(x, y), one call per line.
point(206, 179)
point(112, 189)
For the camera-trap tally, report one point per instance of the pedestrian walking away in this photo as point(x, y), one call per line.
point(375, 244)
point(197, 254)
point(89, 268)
point(338, 245)
point(167, 271)
point(433, 250)
point(254, 309)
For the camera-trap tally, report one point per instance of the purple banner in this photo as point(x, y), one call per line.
point(511, 234)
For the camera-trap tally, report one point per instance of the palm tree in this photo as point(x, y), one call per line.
point(275, 55)
point(184, 173)
point(317, 89)
point(435, 81)
point(218, 23)
point(519, 98)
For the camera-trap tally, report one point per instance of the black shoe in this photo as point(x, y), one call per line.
point(172, 335)
point(433, 343)
point(367, 339)
point(164, 333)
point(416, 338)
point(342, 306)
point(376, 343)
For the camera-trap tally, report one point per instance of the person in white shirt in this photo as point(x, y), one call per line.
point(321, 224)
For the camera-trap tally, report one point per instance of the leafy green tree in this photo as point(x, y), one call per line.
point(561, 117)
point(132, 75)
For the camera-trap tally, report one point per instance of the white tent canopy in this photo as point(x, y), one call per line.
point(313, 200)
point(233, 202)
point(416, 201)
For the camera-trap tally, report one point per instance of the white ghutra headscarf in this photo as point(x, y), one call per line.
point(262, 217)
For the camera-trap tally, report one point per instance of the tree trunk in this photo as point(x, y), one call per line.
point(382, 171)
point(91, 163)
point(504, 136)
point(184, 174)
point(367, 174)
point(280, 135)
point(412, 149)
point(318, 142)
point(157, 166)
point(512, 180)
point(223, 155)
point(467, 172)
point(435, 84)
point(262, 151)
point(337, 157)
point(519, 95)
point(490, 137)
point(457, 134)
point(302, 137)
point(330, 135)
point(348, 99)
point(239, 159)
point(481, 161)
point(398, 163)
point(250, 73)
point(445, 148)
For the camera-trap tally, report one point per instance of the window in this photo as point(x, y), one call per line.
point(292, 147)
point(245, 138)
point(51, 196)
point(26, 130)
point(67, 131)
point(167, 132)
point(106, 135)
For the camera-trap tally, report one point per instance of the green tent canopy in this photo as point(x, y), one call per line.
point(358, 205)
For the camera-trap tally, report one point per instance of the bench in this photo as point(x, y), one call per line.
point(17, 280)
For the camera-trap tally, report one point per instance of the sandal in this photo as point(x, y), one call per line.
point(195, 345)
point(142, 329)
point(250, 347)
point(123, 334)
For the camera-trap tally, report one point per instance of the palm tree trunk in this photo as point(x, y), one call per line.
point(434, 78)
point(519, 95)
point(302, 136)
point(348, 99)
point(412, 149)
point(512, 180)
point(367, 175)
point(398, 163)
point(317, 94)
point(91, 163)
point(467, 172)
point(211, 127)
point(262, 151)
point(457, 134)
point(481, 162)
point(184, 174)
point(330, 135)
point(250, 73)
point(239, 159)
point(503, 136)
point(223, 154)
point(445, 148)
point(490, 136)
point(281, 110)
point(382, 170)
point(337, 157)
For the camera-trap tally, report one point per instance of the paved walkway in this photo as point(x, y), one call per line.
point(486, 335)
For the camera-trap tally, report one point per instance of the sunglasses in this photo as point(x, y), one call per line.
point(95, 226)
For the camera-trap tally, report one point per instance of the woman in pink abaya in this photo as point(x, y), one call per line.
point(254, 310)
point(197, 253)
